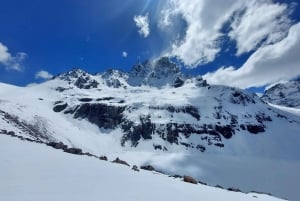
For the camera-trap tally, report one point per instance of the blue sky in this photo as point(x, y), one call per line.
point(55, 36)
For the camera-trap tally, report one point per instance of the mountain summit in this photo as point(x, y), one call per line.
point(158, 73)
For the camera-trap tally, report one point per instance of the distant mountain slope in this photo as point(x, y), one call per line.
point(284, 94)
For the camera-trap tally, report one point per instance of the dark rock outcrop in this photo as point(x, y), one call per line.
point(57, 145)
point(86, 83)
point(147, 167)
point(59, 108)
point(135, 168)
point(234, 189)
point(73, 151)
point(134, 132)
point(178, 82)
point(227, 131)
point(104, 158)
point(239, 97)
point(104, 116)
point(255, 129)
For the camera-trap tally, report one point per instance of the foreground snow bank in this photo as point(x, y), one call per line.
point(31, 171)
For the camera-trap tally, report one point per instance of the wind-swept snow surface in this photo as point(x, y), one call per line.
point(35, 172)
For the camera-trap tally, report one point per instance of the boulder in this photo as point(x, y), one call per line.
point(117, 160)
point(104, 158)
point(73, 151)
point(234, 189)
point(219, 186)
point(189, 179)
point(148, 167)
point(58, 145)
point(135, 168)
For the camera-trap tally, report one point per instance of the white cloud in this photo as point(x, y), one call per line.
point(250, 20)
point(43, 75)
point(11, 62)
point(261, 21)
point(124, 54)
point(142, 22)
point(269, 64)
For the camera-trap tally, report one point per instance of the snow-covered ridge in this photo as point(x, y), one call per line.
point(285, 94)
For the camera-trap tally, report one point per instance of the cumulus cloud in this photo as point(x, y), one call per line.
point(9, 61)
point(251, 23)
point(261, 22)
point(43, 75)
point(269, 64)
point(142, 22)
point(124, 54)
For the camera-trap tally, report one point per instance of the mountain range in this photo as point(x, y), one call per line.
point(156, 115)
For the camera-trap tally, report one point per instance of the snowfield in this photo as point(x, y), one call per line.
point(34, 172)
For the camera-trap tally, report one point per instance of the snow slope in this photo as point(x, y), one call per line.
point(34, 172)
point(295, 111)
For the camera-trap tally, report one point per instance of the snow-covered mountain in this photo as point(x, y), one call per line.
point(156, 115)
point(285, 94)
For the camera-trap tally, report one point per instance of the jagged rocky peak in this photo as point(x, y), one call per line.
point(79, 78)
point(115, 78)
point(141, 69)
point(165, 67)
point(285, 94)
point(162, 67)
point(156, 73)
point(74, 73)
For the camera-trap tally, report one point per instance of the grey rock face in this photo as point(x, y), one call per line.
point(104, 116)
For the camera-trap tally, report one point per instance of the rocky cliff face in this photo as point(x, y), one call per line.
point(210, 129)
